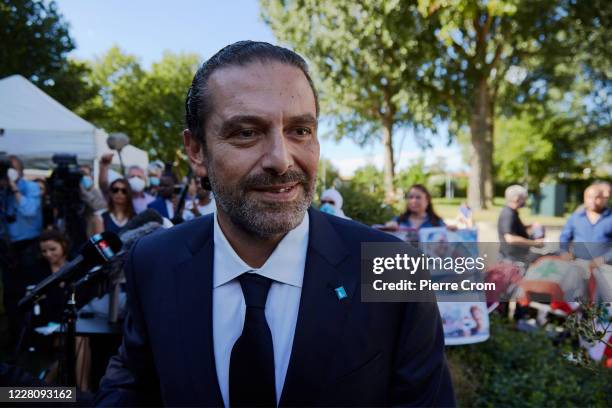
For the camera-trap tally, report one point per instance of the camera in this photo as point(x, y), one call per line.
point(5, 191)
point(64, 197)
point(5, 164)
point(63, 184)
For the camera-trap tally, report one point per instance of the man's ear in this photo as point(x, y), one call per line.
point(195, 152)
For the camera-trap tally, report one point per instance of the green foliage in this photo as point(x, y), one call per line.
point(591, 324)
point(147, 105)
point(364, 206)
point(363, 195)
point(72, 86)
point(517, 369)
point(34, 39)
point(327, 176)
point(34, 43)
point(365, 56)
point(508, 55)
point(414, 174)
point(369, 178)
point(518, 142)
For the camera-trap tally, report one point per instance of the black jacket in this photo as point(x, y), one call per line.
point(345, 352)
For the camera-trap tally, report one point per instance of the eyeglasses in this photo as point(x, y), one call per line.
point(116, 190)
point(328, 202)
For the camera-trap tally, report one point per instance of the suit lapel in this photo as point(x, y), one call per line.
point(194, 301)
point(322, 315)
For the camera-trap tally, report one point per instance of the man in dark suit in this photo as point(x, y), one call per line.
point(258, 304)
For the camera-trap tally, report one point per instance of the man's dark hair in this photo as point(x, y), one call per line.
point(197, 104)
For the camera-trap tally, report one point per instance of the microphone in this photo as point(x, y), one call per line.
point(98, 250)
point(147, 216)
point(112, 272)
point(117, 141)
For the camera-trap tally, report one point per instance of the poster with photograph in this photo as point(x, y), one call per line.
point(464, 320)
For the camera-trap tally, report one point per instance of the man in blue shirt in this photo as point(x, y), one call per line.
point(22, 222)
point(589, 229)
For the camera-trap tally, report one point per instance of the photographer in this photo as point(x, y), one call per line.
point(22, 221)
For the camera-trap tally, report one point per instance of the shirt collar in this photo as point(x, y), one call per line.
point(605, 212)
point(285, 264)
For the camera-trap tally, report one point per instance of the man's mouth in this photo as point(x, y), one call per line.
point(281, 192)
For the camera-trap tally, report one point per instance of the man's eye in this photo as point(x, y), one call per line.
point(245, 133)
point(303, 131)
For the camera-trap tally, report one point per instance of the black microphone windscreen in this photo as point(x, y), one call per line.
point(145, 217)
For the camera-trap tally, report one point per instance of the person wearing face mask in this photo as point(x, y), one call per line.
point(23, 221)
point(165, 203)
point(331, 203)
point(140, 198)
point(155, 172)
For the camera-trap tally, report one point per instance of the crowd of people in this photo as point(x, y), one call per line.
point(269, 278)
point(587, 234)
point(37, 242)
point(36, 247)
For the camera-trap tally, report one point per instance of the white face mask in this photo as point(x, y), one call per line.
point(12, 174)
point(137, 184)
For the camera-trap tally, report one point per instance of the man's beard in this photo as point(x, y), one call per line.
point(263, 219)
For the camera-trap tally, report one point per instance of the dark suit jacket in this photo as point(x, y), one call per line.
point(344, 352)
point(159, 205)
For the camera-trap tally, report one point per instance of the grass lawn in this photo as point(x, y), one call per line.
point(448, 209)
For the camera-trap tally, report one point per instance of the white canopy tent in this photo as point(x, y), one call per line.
point(35, 126)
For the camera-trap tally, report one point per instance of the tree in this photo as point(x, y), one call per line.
point(327, 176)
point(148, 106)
point(364, 55)
point(162, 104)
point(34, 39)
point(506, 50)
point(548, 144)
point(34, 43)
point(414, 174)
point(72, 85)
point(364, 196)
point(522, 149)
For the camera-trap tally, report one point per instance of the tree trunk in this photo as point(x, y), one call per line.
point(389, 165)
point(480, 189)
point(488, 174)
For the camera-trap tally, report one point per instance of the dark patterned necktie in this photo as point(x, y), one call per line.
point(251, 375)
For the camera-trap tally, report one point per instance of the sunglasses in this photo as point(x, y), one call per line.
point(328, 202)
point(116, 190)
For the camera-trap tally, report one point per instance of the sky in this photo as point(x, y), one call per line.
point(146, 28)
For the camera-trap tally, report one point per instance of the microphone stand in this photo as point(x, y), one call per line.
point(178, 214)
point(121, 162)
point(68, 362)
point(23, 334)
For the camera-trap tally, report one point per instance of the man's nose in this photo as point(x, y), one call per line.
point(277, 157)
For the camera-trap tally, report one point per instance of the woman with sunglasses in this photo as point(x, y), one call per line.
point(120, 208)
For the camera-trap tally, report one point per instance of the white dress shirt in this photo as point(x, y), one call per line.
point(285, 267)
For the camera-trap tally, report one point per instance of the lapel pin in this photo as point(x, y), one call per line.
point(340, 292)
